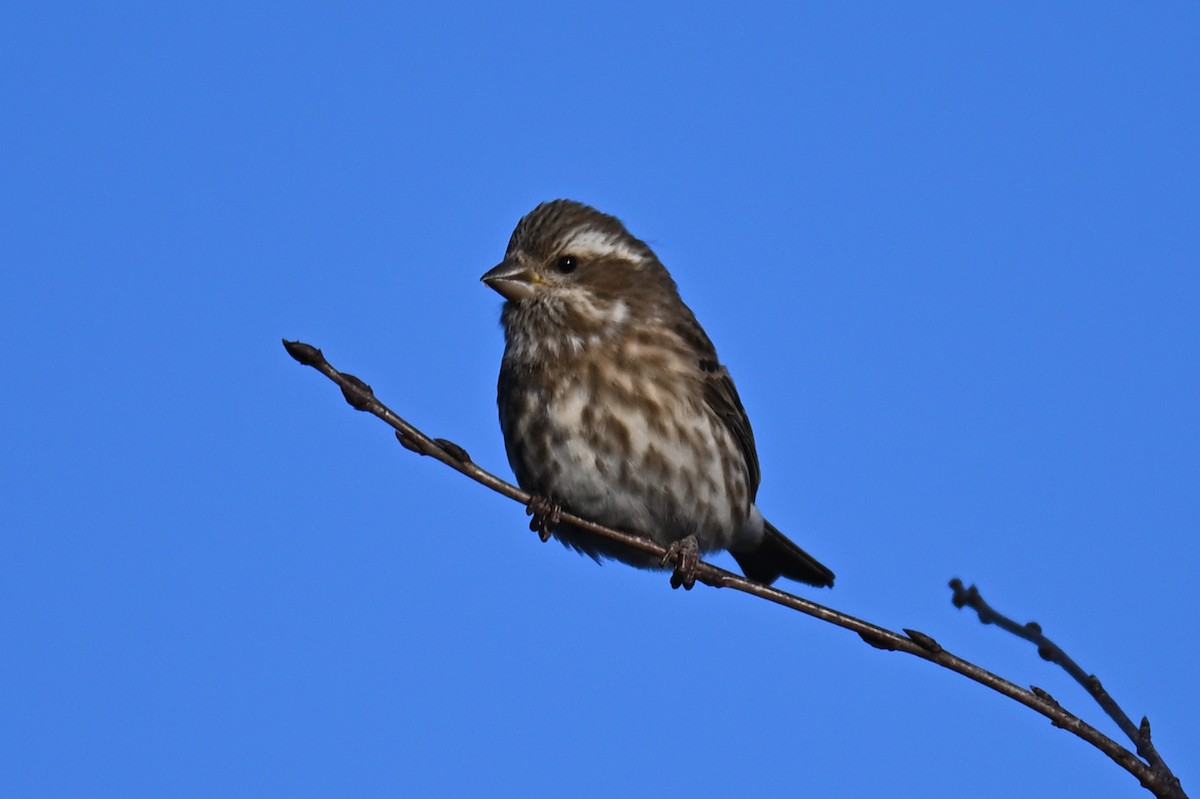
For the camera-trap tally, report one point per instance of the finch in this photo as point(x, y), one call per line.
point(614, 405)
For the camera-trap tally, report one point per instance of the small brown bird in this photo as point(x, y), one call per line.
point(614, 406)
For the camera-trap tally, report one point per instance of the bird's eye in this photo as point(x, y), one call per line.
point(566, 264)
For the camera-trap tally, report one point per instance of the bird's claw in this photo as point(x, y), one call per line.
point(545, 515)
point(684, 555)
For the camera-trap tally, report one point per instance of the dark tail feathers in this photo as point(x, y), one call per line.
point(778, 556)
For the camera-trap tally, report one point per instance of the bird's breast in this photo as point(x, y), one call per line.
point(624, 437)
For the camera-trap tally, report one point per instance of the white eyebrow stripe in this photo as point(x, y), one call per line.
point(599, 244)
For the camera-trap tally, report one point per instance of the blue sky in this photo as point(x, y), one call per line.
point(949, 252)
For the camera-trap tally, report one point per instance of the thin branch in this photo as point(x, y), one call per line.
point(913, 642)
point(1032, 632)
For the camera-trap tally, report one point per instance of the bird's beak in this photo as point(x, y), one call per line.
point(512, 280)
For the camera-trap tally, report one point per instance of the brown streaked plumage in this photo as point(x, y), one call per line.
point(614, 405)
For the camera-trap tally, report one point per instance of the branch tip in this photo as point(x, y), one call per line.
point(963, 597)
point(306, 354)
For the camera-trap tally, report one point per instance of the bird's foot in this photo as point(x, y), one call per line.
point(545, 516)
point(683, 554)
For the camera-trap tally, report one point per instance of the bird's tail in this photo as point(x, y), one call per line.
point(778, 556)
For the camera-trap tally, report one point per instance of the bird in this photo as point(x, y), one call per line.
point(614, 405)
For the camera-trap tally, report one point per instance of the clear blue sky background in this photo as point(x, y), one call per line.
point(950, 252)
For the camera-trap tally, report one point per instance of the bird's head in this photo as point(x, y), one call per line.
point(571, 266)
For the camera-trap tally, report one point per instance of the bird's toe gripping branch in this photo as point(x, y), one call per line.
point(684, 555)
point(546, 516)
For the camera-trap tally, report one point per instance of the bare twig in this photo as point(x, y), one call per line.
point(1032, 632)
point(913, 642)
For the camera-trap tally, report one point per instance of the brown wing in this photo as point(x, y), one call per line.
point(721, 396)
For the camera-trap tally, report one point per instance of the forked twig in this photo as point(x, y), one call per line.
point(913, 642)
point(1032, 631)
